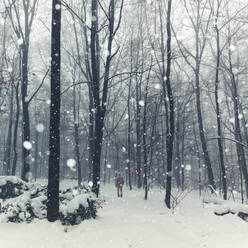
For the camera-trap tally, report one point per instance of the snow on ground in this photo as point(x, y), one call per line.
point(132, 222)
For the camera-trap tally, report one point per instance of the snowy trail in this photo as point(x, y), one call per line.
point(132, 222)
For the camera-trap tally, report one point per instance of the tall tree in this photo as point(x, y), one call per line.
point(196, 13)
point(218, 112)
point(100, 100)
point(170, 128)
point(54, 139)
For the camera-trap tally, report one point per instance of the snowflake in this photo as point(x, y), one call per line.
point(57, 7)
point(27, 145)
point(141, 103)
point(187, 167)
point(40, 127)
point(71, 163)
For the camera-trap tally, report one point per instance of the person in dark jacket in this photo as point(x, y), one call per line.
point(119, 182)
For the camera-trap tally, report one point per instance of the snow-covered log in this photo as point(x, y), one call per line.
point(226, 207)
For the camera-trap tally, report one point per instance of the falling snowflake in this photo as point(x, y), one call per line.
point(27, 145)
point(157, 86)
point(40, 127)
point(71, 163)
point(141, 103)
point(123, 148)
point(187, 167)
point(19, 42)
point(57, 7)
point(232, 48)
point(108, 166)
point(90, 184)
point(48, 101)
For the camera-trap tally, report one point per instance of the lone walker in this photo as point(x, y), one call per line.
point(119, 184)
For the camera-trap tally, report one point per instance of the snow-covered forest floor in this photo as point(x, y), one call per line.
point(133, 222)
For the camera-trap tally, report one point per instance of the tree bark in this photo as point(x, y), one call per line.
point(218, 112)
point(170, 128)
point(54, 139)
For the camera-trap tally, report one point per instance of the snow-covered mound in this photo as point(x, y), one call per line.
point(77, 204)
point(23, 202)
point(225, 207)
point(11, 186)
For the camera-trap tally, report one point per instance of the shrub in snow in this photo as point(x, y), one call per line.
point(24, 208)
point(11, 186)
point(76, 205)
point(29, 201)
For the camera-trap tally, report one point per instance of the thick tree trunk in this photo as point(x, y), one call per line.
point(100, 103)
point(91, 136)
point(54, 139)
point(96, 161)
point(25, 112)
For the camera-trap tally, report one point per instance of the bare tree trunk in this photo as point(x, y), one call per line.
point(7, 155)
point(237, 133)
point(15, 134)
point(170, 128)
point(76, 137)
point(218, 112)
point(145, 134)
point(182, 154)
point(36, 146)
point(54, 139)
point(198, 101)
point(25, 112)
point(129, 136)
point(100, 103)
point(177, 146)
point(138, 134)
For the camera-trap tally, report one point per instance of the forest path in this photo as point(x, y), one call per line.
point(132, 222)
